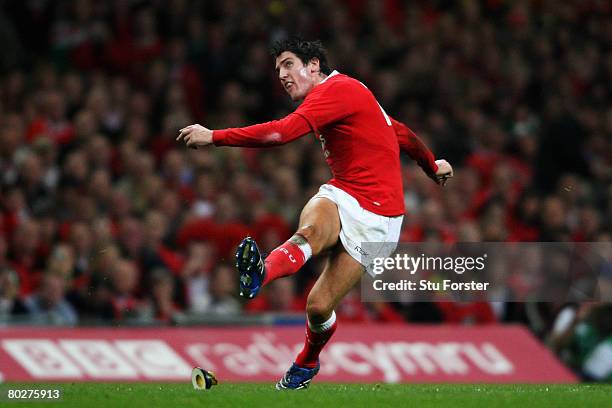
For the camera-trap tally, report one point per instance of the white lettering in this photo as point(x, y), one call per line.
point(42, 358)
point(198, 353)
point(489, 359)
point(98, 358)
point(154, 358)
point(237, 360)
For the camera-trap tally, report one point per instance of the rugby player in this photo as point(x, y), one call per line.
point(363, 202)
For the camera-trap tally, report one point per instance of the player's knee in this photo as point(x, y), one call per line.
point(313, 235)
point(318, 310)
point(309, 231)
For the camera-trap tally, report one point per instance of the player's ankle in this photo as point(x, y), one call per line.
point(310, 364)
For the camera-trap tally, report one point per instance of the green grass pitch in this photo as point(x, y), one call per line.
point(135, 395)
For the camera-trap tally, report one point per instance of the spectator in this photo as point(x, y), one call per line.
point(49, 303)
point(10, 304)
point(196, 276)
point(223, 291)
point(163, 307)
point(124, 301)
point(279, 297)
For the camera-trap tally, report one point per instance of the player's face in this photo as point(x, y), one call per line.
point(296, 77)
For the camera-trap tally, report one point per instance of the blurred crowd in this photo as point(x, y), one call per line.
point(105, 217)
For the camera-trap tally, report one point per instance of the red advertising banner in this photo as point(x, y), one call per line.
point(357, 353)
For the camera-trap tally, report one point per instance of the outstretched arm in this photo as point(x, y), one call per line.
point(276, 132)
point(438, 170)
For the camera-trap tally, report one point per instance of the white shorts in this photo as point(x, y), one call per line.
point(363, 234)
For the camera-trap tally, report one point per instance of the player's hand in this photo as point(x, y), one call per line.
point(196, 136)
point(445, 171)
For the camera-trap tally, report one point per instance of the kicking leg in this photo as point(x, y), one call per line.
point(318, 230)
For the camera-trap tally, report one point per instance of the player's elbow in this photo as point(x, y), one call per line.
point(273, 139)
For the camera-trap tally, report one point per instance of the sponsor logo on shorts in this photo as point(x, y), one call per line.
point(360, 250)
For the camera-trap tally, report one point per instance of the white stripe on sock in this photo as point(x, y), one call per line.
point(321, 327)
point(306, 251)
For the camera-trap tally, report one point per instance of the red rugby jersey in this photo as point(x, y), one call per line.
point(359, 141)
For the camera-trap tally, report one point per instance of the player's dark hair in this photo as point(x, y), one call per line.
point(304, 50)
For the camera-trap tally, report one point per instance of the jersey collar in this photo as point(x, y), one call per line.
point(334, 72)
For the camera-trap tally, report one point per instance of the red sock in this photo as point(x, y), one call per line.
point(315, 341)
point(286, 260)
